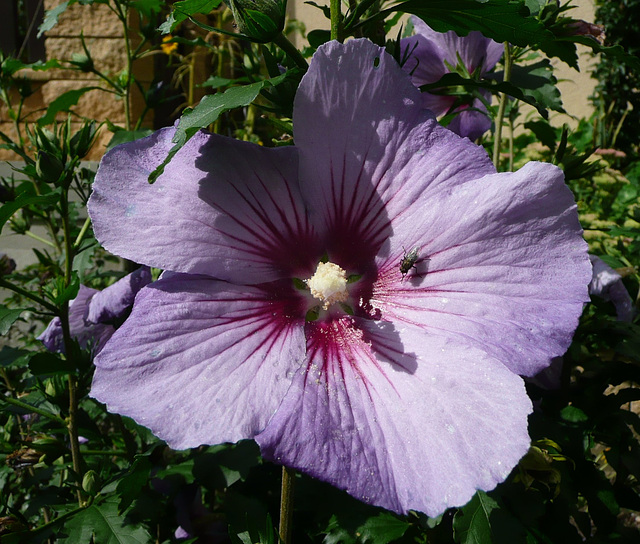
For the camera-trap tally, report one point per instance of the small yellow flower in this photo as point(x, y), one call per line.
point(168, 48)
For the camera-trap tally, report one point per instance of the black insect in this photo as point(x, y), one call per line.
point(408, 261)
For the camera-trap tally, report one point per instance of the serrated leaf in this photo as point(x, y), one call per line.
point(537, 80)
point(182, 10)
point(102, 523)
point(51, 17)
point(500, 20)
point(8, 317)
point(471, 524)
point(63, 103)
point(208, 110)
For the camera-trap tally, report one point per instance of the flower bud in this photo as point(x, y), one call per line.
point(48, 167)
point(7, 265)
point(260, 20)
point(81, 141)
point(91, 482)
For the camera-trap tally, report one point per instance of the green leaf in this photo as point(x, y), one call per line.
point(221, 466)
point(471, 523)
point(12, 357)
point(456, 80)
point(51, 17)
point(10, 65)
point(537, 81)
point(130, 486)
point(63, 103)
point(102, 523)
point(379, 529)
point(48, 364)
point(208, 110)
point(123, 136)
point(501, 20)
point(7, 318)
point(182, 10)
point(572, 414)
point(26, 198)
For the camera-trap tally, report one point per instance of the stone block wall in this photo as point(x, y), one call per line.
point(104, 37)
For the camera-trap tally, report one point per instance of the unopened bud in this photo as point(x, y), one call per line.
point(91, 482)
point(260, 20)
point(7, 265)
point(48, 167)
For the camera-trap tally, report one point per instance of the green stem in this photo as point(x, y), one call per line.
point(127, 83)
point(336, 20)
point(39, 238)
point(286, 505)
point(503, 104)
point(27, 294)
point(82, 233)
point(72, 423)
point(511, 137)
point(33, 409)
point(292, 52)
point(57, 520)
point(105, 453)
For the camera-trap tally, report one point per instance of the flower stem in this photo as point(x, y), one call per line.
point(336, 20)
point(503, 104)
point(291, 50)
point(286, 505)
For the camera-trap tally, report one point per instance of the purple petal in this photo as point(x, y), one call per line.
point(114, 302)
point(474, 49)
point(419, 428)
point(367, 148)
point(471, 123)
point(224, 208)
point(607, 284)
point(88, 335)
point(503, 266)
point(201, 361)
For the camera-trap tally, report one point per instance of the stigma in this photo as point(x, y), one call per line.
point(328, 284)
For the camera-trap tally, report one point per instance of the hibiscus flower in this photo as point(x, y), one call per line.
point(361, 304)
point(94, 315)
point(429, 55)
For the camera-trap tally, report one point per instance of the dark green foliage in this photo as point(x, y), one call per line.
point(617, 95)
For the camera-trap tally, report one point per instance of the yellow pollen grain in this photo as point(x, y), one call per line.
point(328, 284)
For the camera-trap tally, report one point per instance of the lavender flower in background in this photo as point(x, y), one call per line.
point(94, 315)
point(399, 386)
point(427, 55)
point(606, 283)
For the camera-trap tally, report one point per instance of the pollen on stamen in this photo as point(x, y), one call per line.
point(328, 284)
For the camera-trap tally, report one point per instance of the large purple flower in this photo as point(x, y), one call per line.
point(94, 315)
point(397, 380)
point(427, 55)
